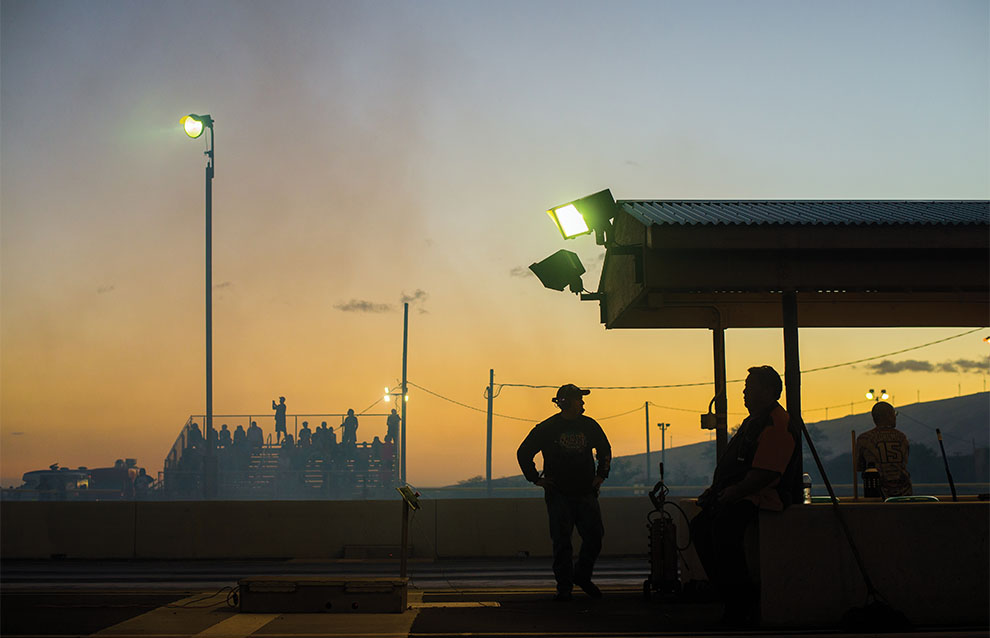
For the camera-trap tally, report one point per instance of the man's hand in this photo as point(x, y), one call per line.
point(597, 482)
point(727, 496)
point(704, 498)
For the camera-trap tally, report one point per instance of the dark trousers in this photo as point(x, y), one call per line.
point(567, 512)
point(717, 534)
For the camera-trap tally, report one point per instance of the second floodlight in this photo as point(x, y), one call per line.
point(194, 125)
point(560, 270)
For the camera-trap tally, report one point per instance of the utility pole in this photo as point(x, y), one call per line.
point(488, 449)
point(646, 406)
point(405, 388)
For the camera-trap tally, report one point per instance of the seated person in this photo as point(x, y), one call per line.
point(753, 473)
point(887, 449)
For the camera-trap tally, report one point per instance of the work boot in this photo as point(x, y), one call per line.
point(589, 588)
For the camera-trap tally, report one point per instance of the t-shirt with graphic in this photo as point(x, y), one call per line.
point(566, 445)
point(887, 448)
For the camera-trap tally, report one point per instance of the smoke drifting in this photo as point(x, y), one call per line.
point(360, 305)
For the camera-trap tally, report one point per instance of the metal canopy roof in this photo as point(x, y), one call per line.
point(807, 212)
point(697, 264)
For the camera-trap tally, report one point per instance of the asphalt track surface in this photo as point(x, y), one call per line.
point(450, 598)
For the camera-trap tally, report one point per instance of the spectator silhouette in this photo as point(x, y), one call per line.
point(350, 426)
point(280, 409)
point(225, 441)
point(392, 427)
point(376, 448)
point(142, 484)
point(254, 436)
point(240, 437)
point(305, 435)
point(195, 440)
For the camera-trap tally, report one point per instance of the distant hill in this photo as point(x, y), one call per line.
point(964, 421)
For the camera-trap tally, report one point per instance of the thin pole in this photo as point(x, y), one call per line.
point(209, 487)
point(405, 389)
point(646, 406)
point(404, 546)
point(792, 381)
point(855, 478)
point(488, 448)
point(663, 441)
point(721, 401)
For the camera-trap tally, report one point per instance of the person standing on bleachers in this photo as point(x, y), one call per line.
point(280, 411)
point(255, 438)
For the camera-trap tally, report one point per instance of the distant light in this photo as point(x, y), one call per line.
point(192, 125)
point(386, 397)
point(884, 395)
point(569, 220)
point(870, 395)
point(407, 397)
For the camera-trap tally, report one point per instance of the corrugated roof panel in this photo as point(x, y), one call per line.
point(804, 212)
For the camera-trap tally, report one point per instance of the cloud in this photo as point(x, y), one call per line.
point(360, 305)
point(104, 289)
point(520, 271)
point(417, 297)
point(16, 433)
point(913, 365)
point(964, 365)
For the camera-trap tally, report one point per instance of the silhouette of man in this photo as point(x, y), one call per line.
point(305, 435)
point(887, 449)
point(255, 437)
point(392, 427)
point(142, 483)
point(350, 426)
point(570, 483)
point(240, 437)
point(747, 479)
point(225, 440)
point(195, 438)
point(279, 419)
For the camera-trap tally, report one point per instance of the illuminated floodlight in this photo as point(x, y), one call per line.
point(569, 221)
point(883, 395)
point(582, 216)
point(406, 398)
point(194, 124)
point(870, 394)
point(560, 270)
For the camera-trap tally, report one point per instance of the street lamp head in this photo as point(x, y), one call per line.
point(193, 124)
point(883, 395)
point(870, 394)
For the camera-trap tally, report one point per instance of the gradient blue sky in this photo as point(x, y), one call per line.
point(370, 150)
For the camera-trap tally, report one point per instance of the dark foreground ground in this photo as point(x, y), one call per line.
point(454, 598)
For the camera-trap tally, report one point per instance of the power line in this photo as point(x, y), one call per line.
point(706, 383)
point(469, 407)
point(681, 385)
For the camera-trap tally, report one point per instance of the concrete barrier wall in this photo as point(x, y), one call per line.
point(482, 528)
point(930, 561)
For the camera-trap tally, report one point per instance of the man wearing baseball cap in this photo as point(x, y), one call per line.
point(570, 483)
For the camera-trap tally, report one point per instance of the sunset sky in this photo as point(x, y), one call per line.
point(370, 152)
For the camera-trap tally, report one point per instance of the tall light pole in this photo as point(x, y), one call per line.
point(194, 125)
